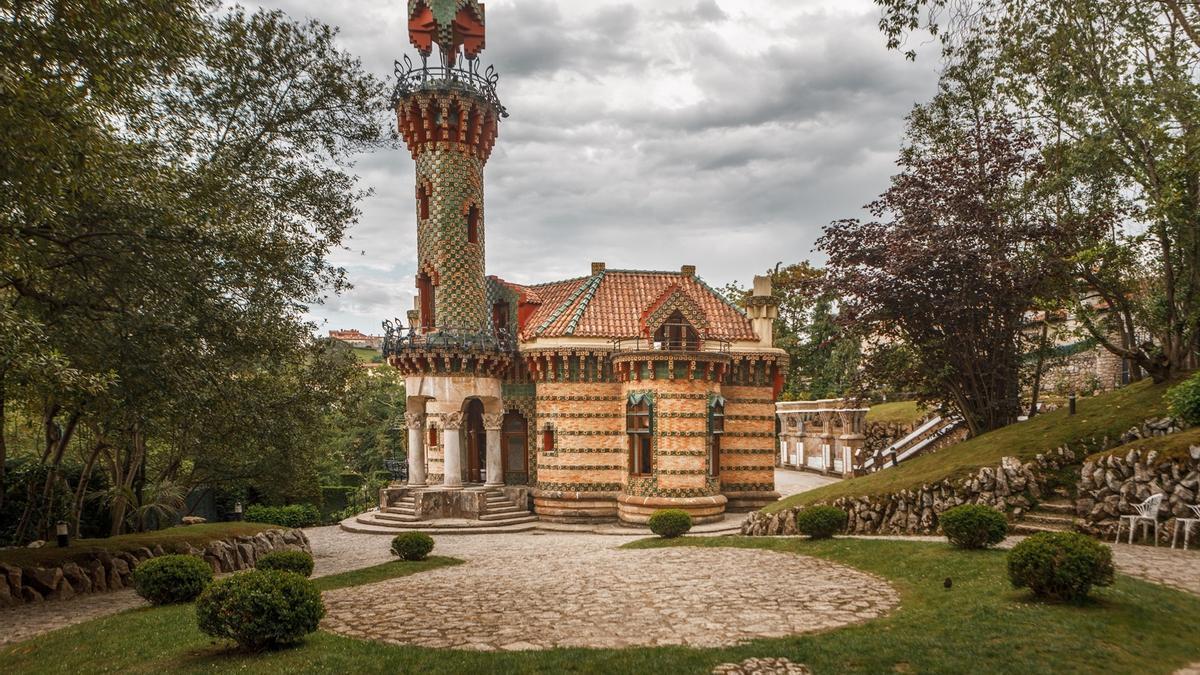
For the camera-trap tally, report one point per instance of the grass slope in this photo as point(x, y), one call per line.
point(83, 549)
point(1173, 446)
point(981, 625)
point(896, 412)
point(1109, 415)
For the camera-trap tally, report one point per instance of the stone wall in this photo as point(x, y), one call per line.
point(1012, 486)
point(113, 571)
point(879, 435)
point(1110, 486)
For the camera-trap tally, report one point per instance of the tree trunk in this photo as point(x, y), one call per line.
point(1041, 362)
point(3, 444)
point(81, 490)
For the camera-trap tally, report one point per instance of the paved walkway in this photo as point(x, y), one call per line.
point(541, 591)
point(790, 481)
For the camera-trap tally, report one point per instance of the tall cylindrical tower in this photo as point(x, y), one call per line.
point(448, 115)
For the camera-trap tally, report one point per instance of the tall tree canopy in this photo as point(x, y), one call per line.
point(174, 179)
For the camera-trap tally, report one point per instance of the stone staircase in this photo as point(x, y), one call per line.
point(1054, 515)
point(499, 515)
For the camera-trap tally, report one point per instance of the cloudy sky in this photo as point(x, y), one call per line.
point(719, 133)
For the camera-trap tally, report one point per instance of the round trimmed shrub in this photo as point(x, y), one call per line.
point(1183, 400)
point(974, 526)
point(670, 523)
point(297, 562)
point(169, 579)
point(821, 522)
point(260, 608)
point(1060, 565)
point(412, 545)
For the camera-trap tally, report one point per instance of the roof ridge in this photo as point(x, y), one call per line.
point(592, 286)
point(561, 281)
point(558, 311)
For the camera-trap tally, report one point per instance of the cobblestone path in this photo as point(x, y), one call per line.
point(568, 590)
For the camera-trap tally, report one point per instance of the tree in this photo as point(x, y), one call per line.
point(177, 184)
point(1112, 83)
point(955, 261)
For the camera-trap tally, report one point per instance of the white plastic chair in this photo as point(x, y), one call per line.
point(1147, 512)
point(1186, 524)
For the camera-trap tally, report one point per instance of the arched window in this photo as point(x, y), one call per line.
point(548, 439)
point(433, 436)
point(716, 428)
point(637, 428)
point(473, 224)
point(500, 317)
point(425, 291)
point(676, 334)
point(422, 202)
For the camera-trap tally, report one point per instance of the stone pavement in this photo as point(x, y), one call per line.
point(27, 621)
point(540, 591)
point(790, 481)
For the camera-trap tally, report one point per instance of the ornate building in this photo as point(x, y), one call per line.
point(597, 398)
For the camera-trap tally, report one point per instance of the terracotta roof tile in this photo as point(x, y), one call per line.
point(610, 304)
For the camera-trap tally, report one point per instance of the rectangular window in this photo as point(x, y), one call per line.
point(716, 428)
point(637, 428)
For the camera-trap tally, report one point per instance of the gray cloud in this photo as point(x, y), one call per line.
point(711, 132)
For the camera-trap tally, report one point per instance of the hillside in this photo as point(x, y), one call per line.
point(895, 412)
point(1108, 414)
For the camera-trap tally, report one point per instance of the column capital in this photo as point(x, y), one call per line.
point(414, 420)
point(493, 421)
point(452, 421)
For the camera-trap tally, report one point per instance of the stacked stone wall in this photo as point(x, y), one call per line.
point(106, 571)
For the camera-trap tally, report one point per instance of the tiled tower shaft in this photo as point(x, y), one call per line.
point(450, 134)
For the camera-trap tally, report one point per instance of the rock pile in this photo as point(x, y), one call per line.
point(106, 571)
point(762, 666)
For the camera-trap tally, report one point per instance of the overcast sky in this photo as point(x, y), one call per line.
point(719, 133)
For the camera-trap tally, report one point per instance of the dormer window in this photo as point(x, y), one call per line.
point(676, 334)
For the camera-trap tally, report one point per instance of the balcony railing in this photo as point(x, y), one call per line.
point(411, 77)
point(399, 340)
point(643, 345)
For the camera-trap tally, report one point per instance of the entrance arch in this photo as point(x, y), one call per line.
point(476, 441)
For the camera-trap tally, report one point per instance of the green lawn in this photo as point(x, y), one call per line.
point(896, 412)
point(383, 572)
point(980, 625)
point(1108, 415)
point(367, 355)
point(83, 549)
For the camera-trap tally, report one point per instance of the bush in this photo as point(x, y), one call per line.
point(260, 608)
point(351, 478)
point(171, 578)
point(1183, 400)
point(295, 515)
point(382, 477)
point(412, 545)
point(1060, 565)
point(670, 523)
point(336, 498)
point(297, 562)
point(821, 522)
point(974, 526)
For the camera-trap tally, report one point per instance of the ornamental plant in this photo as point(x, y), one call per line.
point(670, 523)
point(1060, 565)
point(412, 545)
point(821, 522)
point(260, 608)
point(974, 526)
point(169, 579)
point(1183, 400)
point(297, 562)
point(294, 515)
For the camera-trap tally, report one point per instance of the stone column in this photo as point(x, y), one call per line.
point(416, 448)
point(495, 463)
point(452, 450)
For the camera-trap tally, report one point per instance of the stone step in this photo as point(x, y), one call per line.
point(509, 515)
point(401, 510)
point(505, 509)
point(1044, 518)
point(1031, 528)
point(355, 526)
point(1056, 507)
point(397, 517)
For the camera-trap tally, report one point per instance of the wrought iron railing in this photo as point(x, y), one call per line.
point(398, 339)
point(411, 77)
point(645, 345)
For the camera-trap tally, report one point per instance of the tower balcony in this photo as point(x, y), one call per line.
point(448, 351)
point(448, 106)
point(464, 76)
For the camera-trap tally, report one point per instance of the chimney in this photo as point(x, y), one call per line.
point(597, 268)
point(688, 271)
point(763, 309)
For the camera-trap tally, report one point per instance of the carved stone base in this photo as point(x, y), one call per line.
point(575, 507)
